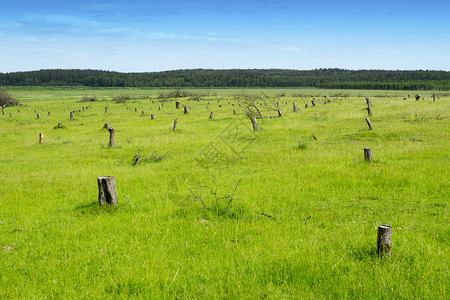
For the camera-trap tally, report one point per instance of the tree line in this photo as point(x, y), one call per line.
point(245, 78)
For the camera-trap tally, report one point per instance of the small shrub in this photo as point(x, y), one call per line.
point(302, 144)
point(89, 99)
point(6, 99)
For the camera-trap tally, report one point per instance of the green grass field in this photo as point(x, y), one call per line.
point(321, 202)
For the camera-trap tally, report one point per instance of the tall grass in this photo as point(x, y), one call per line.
point(305, 170)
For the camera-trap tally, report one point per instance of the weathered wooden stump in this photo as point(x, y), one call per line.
point(254, 123)
point(186, 110)
point(294, 106)
point(135, 109)
point(10, 114)
point(38, 116)
point(41, 138)
point(48, 113)
point(107, 194)
point(313, 102)
point(368, 155)
point(112, 137)
point(159, 107)
point(306, 105)
point(60, 124)
point(175, 122)
point(211, 115)
point(177, 104)
point(234, 111)
point(369, 109)
point(369, 124)
point(152, 116)
point(434, 97)
point(280, 113)
point(384, 240)
point(84, 108)
point(71, 114)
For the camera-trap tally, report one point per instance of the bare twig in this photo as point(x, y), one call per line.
point(266, 215)
point(232, 195)
point(329, 136)
point(198, 197)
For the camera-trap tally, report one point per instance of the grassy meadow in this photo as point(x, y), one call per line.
point(216, 210)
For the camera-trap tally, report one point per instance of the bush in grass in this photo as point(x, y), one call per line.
point(302, 144)
point(6, 99)
point(89, 99)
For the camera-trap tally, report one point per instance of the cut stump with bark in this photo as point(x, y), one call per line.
point(107, 194)
point(384, 240)
point(368, 155)
point(254, 123)
point(112, 137)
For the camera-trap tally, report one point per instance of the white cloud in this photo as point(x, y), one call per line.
point(292, 49)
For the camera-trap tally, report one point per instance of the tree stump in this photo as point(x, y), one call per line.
point(10, 114)
point(60, 125)
point(107, 194)
point(41, 138)
point(417, 97)
point(107, 126)
point(254, 123)
point(306, 105)
point(369, 109)
point(280, 113)
point(234, 111)
point(152, 116)
point(112, 137)
point(71, 114)
point(135, 109)
point(211, 115)
point(84, 108)
point(48, 113)
point(384, 240)
point(294, 106)
point(177, 104)
point(186, 110)
point(313, 102)
point(369, 124)
point(368, 155)
point(434, 97)
point(143, 113)
point(175, 122)
point(38, 116)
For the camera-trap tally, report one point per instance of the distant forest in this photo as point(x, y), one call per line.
point(205, 78)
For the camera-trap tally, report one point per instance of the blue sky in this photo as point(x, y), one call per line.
point(154, 35)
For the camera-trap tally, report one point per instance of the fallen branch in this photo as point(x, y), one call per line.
point(266, 215)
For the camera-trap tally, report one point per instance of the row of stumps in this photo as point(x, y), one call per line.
point(107, 195)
